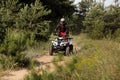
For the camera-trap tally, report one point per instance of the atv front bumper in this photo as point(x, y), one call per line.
point(59, 47)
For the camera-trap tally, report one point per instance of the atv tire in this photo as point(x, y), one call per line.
point(71, 47)
point(51, 51)
point(67, 51)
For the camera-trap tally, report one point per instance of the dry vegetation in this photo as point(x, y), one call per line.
point(96, 60)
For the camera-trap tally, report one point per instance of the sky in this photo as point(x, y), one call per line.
point(108, 2)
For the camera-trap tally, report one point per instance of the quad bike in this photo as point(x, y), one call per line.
point(61, 44)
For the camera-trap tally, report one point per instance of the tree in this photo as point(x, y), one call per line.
point(94, 21)
point(31, 19)
point(112, 20)
point(84, 6)
point(103, 22)
point(77, 19)
point(8, 11)
point(17, 25)
point(59, 8)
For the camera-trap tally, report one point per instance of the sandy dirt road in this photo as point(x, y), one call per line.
point(42, 62)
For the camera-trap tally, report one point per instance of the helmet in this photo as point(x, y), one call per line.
point(62, 19)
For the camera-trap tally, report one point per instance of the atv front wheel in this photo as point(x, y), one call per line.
point(67, 50)
point(51, 51)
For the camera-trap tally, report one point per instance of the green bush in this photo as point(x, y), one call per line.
point(33, 76)
point(97, 31)
point(20, 26)
point(117, 33)
point(13, 48)
point(18, 61)
point(15, 42)
point(2, 33)
point(7, 62)
point(30, 18)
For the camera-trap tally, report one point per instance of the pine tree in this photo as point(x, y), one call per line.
point(112, 20)
point(8, 11)
point(31, 19)
point(94, 21)
point(103, 22)
point(59, 8)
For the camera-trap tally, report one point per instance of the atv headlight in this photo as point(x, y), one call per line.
point(55, 43)
point(61, 44)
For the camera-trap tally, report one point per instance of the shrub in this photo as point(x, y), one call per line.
point(7, 62)
point(117, 33)
point(13, 48)
point(2, 33)
point(15, 42)
point(18, 61)
point(30, 18)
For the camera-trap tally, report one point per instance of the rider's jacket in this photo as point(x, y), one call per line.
point(61, 28)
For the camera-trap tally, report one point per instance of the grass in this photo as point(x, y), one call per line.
point(41, 48)
point(96, 60)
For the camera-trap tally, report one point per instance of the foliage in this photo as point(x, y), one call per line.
point(98, 59)
point(15, 42)
point(96, 19)
point(21, 25)
point(101, 21)
point(84, 6)
point(75, 24)
point(25, 17)
point(94, 22)
point(8, 11)
point(2, 33)
point(112, 18)
point(75, 21)
point(6, 62)
point(33, 76)
point(31, 18)
point(60, 8)
point(11, 62)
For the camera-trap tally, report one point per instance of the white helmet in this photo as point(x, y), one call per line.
point(62, 19)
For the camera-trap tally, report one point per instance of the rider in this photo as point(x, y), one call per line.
point(62, 29)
